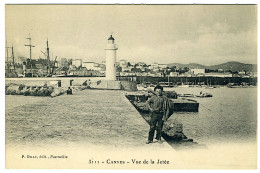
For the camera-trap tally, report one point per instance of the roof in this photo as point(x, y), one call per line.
point(111, 38)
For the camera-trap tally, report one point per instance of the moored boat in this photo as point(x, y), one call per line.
point(138, 99)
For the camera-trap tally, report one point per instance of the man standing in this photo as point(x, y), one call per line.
point(158, 105)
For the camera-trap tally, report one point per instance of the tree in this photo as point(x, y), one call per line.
point(118, 69)
point(173, 69)
point(69, 62)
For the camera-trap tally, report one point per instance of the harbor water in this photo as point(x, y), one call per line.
point(229, 116)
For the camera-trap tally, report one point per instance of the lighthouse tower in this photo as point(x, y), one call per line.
point(111, 59)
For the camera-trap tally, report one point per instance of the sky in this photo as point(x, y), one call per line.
point(204, 34)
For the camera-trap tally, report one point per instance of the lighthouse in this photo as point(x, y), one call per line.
point(111, 59)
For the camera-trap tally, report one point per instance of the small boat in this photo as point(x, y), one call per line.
point(186, 95)
point(205, 95)
point(183, 86)
point(209, 87)
point(138, 99)
point(61, 75)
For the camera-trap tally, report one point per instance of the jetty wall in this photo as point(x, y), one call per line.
point(94, 83)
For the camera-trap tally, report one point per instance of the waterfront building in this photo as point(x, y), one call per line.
point(132, 63)
point(63, 62)
point(57, 64)
point(155, 65)
point(122, 63)
point(197, 71)
point(111, 59)
point(125, 69)
point(162, 66)
point(242, 72)
point(88, 65)
point(103, 62)
point(220, 70)
point(77, 62)
point(72, 67)
point(218, 75)
point(174, 74)
point(253, 74)
point(20, 60)
point(141, 64)
point(84, 72)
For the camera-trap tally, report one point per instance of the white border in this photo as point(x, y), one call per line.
point(2, 72)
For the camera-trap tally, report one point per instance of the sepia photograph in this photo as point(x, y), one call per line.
point(124, 86)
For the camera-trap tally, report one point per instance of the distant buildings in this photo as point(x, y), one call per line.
point(157, 67)
point(89, 65)
point(94, 66)
point(197, 71)
point(63, 62)
point(218, 74)
point(79, 67)
point(122, 63)
point(77, 62)
point(174, 74)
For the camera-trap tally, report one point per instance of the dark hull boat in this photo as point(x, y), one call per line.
point(179, 104)
point(172, 131)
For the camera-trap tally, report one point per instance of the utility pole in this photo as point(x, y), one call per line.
point(30, 46)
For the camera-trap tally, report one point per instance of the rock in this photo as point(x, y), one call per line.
point(13, 87)
point(174, 129)
point(57, 92)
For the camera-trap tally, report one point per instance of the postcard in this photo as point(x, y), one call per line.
point(98, 86)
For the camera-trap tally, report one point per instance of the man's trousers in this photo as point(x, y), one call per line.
point(155, 118)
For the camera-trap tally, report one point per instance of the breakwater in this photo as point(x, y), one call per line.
point(65, 82)
point(196, 80)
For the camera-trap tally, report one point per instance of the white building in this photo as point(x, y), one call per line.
point(88, 65)
point(93, 66)
point(218, 74)
point(126, 69)
point(174, 74)
point(132, 63)
point(197, 71)
point(220, 70)
point(122, 63)
point(77, 62)
point(242, 72)
point(162, 66)
point(150, 67)
point(155, 65)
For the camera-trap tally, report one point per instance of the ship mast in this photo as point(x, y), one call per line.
point(6, 47)
point(48, 57)
point(30, 46)
point(47, 54)
point(13, 57)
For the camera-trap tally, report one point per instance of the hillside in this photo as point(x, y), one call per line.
point(235, 66)
point(191, 65)
point(232, 65)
